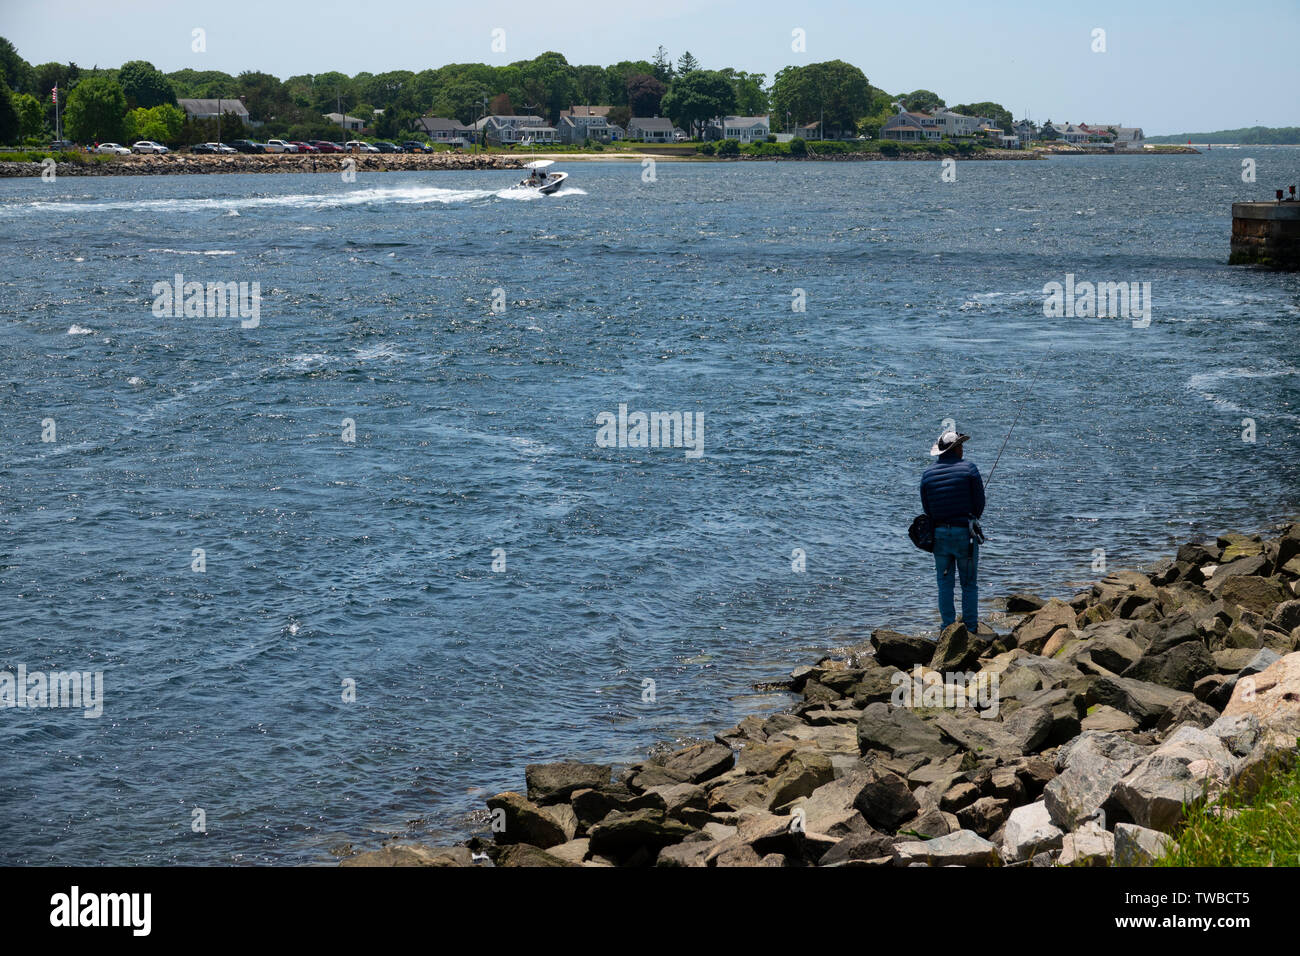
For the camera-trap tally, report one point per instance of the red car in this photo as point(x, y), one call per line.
point(304, 147)
point(324, 146)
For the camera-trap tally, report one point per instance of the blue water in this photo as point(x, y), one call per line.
point(372, 560)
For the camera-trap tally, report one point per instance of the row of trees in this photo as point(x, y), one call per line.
point(139, 101)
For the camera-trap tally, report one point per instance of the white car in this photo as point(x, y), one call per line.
point(148, 146)
point(280, 146)
point(223, 148)
point(360, 146)
point(112, 148)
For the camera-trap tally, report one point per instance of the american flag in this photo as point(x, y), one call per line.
point(55, 92)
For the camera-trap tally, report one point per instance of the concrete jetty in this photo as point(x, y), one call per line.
point(1267, 233)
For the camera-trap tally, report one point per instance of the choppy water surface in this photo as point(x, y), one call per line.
point(371, 561)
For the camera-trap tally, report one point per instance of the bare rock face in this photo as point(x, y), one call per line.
point(1272, 698)
point(404, 855)
point(552, 782)
point(1090, 845)
point(1192, 765)
point(1029, 831)
point(1090, 768)
point(526, 822)
point(962, 848)
point(1139, 846)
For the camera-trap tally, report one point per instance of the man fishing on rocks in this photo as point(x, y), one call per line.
point(952, 494)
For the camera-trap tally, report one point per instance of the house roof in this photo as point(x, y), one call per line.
point(650, 122)
point(586, 111)
point(206, 106)
point(903, 119)
point(433, 123)
point(745, 120)
point(520, 119)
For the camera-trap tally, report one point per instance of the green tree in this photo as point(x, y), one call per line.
point(686, 63)
point(14, 70)
point(994, 111)
point(751, 97)
point(96, 109)
point(9, 124)
point(698, 96)
point(619, 116)
point(202, 84)
point(921, 101)
point(834, 93)
point(31, 116)
point(662, 66)
point(144, 85)
point(589, 84)
point(265, 97)
point(616, 78)
point(162, 124)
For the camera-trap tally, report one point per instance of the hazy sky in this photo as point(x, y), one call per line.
point(1168, 67)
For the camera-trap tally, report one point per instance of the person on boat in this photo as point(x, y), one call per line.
point(952, 494)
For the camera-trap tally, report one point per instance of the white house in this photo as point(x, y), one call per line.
point(574, 128)
point(650, 129)
point(349, 123)
point(746, 129)
point(955, 124)
point(516, 130)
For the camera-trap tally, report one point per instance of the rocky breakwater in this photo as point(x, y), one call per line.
point(186, 163)
point(1097, 722)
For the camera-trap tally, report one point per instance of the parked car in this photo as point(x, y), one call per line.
point(385, 147)
point(61, 145)
point(116, 148)
point(247, 146)
point(415, 146)
point(280, 146)
point(304, 147)
point(148, 146)
point(359, 146)
point(325, 146)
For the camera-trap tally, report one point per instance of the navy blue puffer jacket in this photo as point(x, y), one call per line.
point(952, 489)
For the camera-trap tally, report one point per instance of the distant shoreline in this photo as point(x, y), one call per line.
point(329, 163)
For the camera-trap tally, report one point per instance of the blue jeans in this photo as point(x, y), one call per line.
point(954, 552)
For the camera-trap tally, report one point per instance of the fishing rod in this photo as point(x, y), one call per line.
point(1016, 420)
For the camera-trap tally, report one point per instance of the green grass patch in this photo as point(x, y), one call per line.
point(1240, 830)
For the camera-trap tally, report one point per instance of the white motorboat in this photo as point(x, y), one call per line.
point(541, 181)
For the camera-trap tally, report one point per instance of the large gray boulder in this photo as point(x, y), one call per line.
point(898, 730)
point(1145, 703)
point(962, 848)
point(1090, 767)
point(901, 650)
point(1191, 765)
point(1138, 845)
point(553, 782)
point(1029, 830)
point(1180, 667)
point(1090, 845)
